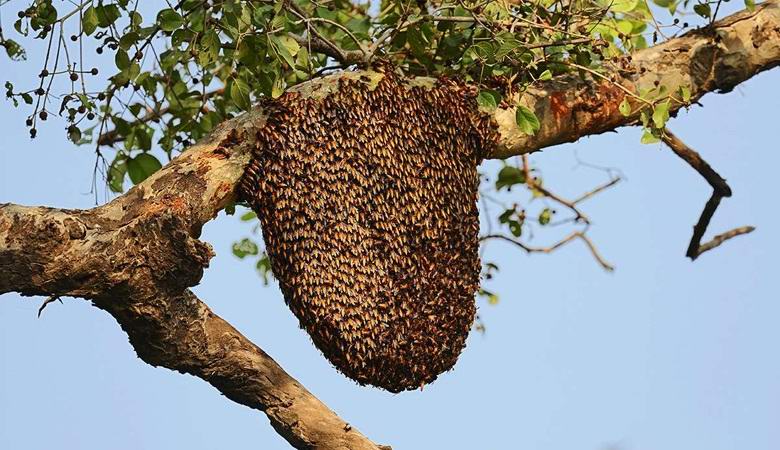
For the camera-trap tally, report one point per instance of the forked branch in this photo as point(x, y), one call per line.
point(720, 189)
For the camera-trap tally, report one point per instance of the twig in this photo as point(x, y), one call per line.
point(720, 189)
point(596, 190)
point(574, 235)
point(535, 185)
point(323, 45)
point(51, 299)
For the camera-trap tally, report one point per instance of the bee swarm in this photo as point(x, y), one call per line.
point(367, 200)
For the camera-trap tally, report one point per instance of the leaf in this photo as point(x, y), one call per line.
point(107, 15)
point(15, 51)
point(526, 120)
point(116, 175)
point(140, 167)
point(648, 137)
point(169, 20)
point(239, 93)
point(74, 134)
point(661, 114)
point(121, 59)
point(750, 5)
point(506, 215)
point(488, 100)
point(703, 9)
point(491, 298)
point(685, 93)
point(516, 228)
point(263, 266)
point(545, 216)
point(245, 247)
point(249, 215)
point(89, 21)
point(509, 176)
point(623, 6)
point(546, 75)
point(625, 107)
point(286, 48)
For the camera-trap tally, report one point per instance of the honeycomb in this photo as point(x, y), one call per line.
point(367, 201)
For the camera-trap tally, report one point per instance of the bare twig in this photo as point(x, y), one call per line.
point(596, 190)
point(571, 237)
point(533, 184)
point(720, 189)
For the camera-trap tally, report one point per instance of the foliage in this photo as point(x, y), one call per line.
point(168, 76)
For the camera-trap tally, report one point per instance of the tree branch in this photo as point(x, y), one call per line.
point(720, 189)
point(136, 257)
point(712, 59)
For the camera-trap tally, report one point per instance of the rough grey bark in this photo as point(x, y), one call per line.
point(136, 256)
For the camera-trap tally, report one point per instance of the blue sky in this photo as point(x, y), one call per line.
point(661, 354)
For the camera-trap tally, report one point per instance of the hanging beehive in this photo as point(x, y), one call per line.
point(367, 200)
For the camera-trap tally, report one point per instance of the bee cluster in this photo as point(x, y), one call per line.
point(367, 200)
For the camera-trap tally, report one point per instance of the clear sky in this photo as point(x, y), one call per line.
point(661, 354)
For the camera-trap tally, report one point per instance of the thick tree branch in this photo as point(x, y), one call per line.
point(136, 256)
point(713, 59)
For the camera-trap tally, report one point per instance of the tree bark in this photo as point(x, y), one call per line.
point(713, 59)
point(136, 256)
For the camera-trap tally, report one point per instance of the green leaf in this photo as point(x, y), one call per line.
point(74, 134)
point(107, 15)
point(750, 5)
point(263, 266)
point(516, 228)
point(506, 216)
point(648, 137)
point(245, 247)
point(491, 298)
point(239, 93)
point(545, 216)
point(509, 176)
point(625, 107)
point(546, 75)
point(488, 100)
point(526, 120)
point(703, 9)
point(623, 6)
point(286, 48)
point(121, 59)
point(140, 167)
point(661, 114)
point(685, 93)
point(249, 215)
point(116, 175)
point(89, 21)
point(169, 20)
point(15, 51)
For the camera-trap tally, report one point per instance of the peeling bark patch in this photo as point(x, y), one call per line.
point(701, 65)
point(558, 105)
point(730, 71)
